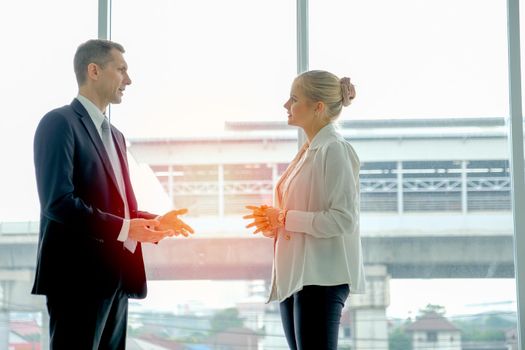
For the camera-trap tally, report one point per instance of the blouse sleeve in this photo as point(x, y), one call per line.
point(340, 183)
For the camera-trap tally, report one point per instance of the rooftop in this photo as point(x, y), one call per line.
point(431, 322)
point(451, 128)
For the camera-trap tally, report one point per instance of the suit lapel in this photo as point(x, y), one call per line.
point(95, 138)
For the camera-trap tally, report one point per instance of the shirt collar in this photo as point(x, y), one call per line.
point(327, 133)
point(96, 114)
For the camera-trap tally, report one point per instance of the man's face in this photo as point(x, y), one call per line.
point(113, 78)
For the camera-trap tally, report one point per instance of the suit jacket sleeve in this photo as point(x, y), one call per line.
point(54, 150)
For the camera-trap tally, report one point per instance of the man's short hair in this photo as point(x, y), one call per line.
point(96, 51)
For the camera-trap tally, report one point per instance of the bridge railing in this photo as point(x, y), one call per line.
point(19, 228)
point(424, 193)
point(419, 194)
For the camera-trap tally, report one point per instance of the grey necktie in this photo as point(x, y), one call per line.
point(107, 139)
point(109, 145)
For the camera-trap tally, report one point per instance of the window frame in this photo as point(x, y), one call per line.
point(515, 124)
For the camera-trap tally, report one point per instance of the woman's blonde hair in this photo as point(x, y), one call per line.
point(323, 86)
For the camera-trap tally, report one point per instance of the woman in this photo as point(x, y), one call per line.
point(315, 221)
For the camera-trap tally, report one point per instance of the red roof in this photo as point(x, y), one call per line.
point(346, 318)
point(156, 340)
point(24, 328)
point(431, 322)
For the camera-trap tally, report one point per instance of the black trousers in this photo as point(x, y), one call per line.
point(88, 323)
point(311, 317)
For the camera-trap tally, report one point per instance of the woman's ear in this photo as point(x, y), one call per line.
point(319, 107)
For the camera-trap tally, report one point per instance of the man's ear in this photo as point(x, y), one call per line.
point(93, 71)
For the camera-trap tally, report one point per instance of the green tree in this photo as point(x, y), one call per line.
point(484, 328)
point(193, 338)
point(431, 308)
point(225, 319)
point(398, 339)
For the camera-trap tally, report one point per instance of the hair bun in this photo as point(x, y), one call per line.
point(347, 91)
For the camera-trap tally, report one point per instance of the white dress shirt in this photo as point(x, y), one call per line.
point(320, 243)
point(97, 117)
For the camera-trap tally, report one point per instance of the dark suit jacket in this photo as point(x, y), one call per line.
point(81, 210)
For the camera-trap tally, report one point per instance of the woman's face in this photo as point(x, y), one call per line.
point(301, 111)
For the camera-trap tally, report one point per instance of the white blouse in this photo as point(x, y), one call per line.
point(320, 243)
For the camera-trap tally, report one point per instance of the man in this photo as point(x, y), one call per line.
point(89, 253)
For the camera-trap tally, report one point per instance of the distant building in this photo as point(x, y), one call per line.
point(24, 335)
point(239, 338)
point(219, 175)
point(511, 339)
point(262, 318)
point(434, 332)
point(345, 329)
point(152, 342)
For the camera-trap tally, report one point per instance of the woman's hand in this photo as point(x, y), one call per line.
point(266, 219)
point(260, 221)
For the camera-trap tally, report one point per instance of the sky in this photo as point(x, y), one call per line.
point(195, 69)
point(197, 64)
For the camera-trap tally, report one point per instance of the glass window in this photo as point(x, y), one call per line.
point(195, 65)
point(432, 337)
point(206, 125)
point(205, 74)
point(411, 59)
point(38, 44)
point(428, 126)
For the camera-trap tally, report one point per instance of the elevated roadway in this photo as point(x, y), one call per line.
point(428, 245)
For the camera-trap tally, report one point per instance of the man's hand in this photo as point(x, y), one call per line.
point(171, 221)
point(143, 230)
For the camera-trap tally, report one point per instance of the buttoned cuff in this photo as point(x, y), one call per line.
point(124, 231)
point(129, 244)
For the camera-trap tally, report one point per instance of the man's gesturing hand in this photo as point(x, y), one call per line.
point(171, 221)
point(143, 230)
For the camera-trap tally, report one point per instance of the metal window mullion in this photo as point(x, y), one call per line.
point(104, 29)
point(275, 175)
point(302, 36)
point(104, 19)
point(302, 51)
point(170, 183)
point(517, 166)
